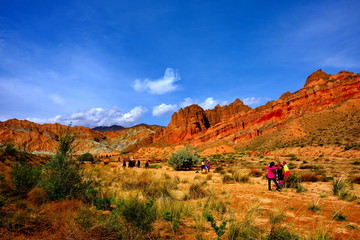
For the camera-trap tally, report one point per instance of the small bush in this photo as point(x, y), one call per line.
point(24, 177)
point(102, 203)
point(62, 177)
point(184, 158)
point(10, 149)
point(219, 230)
point(86, 157)
point(293, 181)
point(138, 213)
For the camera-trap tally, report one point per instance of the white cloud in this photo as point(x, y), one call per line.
point(164, 109)
point(251, 101)
point(187, 102)
point(57, 99)
point(160, 86)
point(97, 117)
point(209, 103)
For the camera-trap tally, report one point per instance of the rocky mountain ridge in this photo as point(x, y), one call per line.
point(318, 108)
point(237, 122)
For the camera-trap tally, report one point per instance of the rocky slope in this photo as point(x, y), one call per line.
point(238, 123)
point(325, 111)
point(43, 138)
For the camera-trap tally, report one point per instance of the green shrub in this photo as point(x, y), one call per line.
point(10, 149)
point(86, 157)
point(102, 203)
point(138, 213)
point(24, 177)
point(219, 230)
point(184, 158)
point(293, 181)
point(62, 176)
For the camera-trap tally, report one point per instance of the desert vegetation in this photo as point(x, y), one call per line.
point(69, 197)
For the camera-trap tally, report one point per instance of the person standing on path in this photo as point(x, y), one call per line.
point(271, 176)
point(286, 171)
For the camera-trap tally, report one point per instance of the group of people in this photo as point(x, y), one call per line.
point(132, 162)
point(278, 173)
point(205, 166)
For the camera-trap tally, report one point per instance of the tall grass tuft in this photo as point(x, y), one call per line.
point(241, 176)
point(341, 188)
point(321, 234)
point(315, 206)
point(197, 190)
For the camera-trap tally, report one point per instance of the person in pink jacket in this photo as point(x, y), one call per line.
point(271, 176)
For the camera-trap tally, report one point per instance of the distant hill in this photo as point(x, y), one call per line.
point(112, 128)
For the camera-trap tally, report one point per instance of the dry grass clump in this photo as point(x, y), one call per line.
point(246, 227)
point(36, 196)
point(196, 190)
point(228, 178)
point(315, 206)
point(135, 181)
point(255, 173)
point(277, 231)
point(312, 177)
point(354, 179)
point(342, 188)
point(241, 176)
point(236, 175)
point(213, 202)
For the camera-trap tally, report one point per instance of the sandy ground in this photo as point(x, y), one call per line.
point(300, 220)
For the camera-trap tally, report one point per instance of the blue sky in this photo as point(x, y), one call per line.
point(99, 63)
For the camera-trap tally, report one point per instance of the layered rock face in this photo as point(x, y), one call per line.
point(324, 97)
point(237, 122)
point(44, 138)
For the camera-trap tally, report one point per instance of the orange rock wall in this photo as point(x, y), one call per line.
point(238, 122)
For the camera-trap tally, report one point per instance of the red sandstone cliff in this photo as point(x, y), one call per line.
point(237, 122)
point(325, 101)
point(33, 137)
